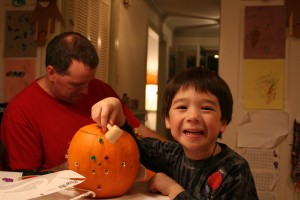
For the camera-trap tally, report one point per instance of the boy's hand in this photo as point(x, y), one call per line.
point(108, 111)
point(162, 183)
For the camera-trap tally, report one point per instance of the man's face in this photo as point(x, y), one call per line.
point(72, 85)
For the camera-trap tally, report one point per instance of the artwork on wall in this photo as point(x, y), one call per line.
point(264, 32)
point(263, 84)
point(19, 34)
point(19, 73)
point(264, 53)
point(45, 14)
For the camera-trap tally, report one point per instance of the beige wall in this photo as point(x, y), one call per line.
point(130, 56)
point(231, 70)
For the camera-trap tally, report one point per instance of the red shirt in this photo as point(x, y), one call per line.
point(36, 128)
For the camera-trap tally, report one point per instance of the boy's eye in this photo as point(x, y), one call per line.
point(181, 107)
point(207, 108)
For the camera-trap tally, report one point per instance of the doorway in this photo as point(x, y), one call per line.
point(152, 78)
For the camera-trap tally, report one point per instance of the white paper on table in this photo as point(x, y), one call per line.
point(40, 185)
point(13, 176)
point(263, 129)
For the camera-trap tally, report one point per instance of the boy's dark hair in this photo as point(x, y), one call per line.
point(68, 46)
point(203, 80)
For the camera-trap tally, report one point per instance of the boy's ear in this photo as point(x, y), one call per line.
point(223, 126)
point(167, 122)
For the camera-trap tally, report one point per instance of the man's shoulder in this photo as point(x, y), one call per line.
point(28, 90)
point(96, 83)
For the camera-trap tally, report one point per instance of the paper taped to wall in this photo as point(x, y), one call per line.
point(263, 129)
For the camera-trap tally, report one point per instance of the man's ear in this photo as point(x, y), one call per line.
point(50, 71)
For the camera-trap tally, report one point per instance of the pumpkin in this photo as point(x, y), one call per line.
point(110, 167)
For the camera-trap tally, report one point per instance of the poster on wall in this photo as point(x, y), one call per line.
point(19, 34)
point(19, 73)
point(263, 83)
point(264, 32)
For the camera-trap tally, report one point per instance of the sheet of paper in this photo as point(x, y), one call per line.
point(40, 185)
point(265, 181)
point(263, 195)
point(266, 159)
point(263, 84)
point(8, 177)
point(263, 129)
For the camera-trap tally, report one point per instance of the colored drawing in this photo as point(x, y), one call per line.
point(264, 32)
point(19, 34)
point(266, 86)
point(263, 84)
point(19, 73)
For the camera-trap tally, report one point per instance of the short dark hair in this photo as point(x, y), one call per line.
point(203, 80)
point(69, 46)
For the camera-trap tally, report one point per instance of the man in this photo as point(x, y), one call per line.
point(39, 122)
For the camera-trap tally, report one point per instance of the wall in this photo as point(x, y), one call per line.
point(6, 5)
point(230, 68)
point(130, 43)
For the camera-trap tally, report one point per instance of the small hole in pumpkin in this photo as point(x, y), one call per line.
point(123, 164)
point(93, 172)
point(99, 164)
point(99, 187)
point(106, 157)
point(106, 171)
point(76, 164)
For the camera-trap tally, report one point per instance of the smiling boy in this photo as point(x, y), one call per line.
point(197, 106)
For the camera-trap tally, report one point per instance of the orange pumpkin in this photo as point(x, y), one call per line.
point(110, 169)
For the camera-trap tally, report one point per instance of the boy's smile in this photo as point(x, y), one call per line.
point(195, 122)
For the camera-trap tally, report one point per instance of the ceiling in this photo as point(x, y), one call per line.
point(191, 17)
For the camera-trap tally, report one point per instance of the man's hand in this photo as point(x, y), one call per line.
point(162, 183)
point(108, 111)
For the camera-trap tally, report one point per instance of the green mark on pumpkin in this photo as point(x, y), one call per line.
point(100, 140)
point(93, 157)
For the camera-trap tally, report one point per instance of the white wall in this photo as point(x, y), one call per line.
point(230, 68)
point(131, 49)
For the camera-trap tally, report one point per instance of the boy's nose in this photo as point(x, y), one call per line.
point(194, 116)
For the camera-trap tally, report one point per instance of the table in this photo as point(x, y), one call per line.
point(139, 191)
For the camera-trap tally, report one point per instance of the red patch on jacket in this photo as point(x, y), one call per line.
point(215, 180)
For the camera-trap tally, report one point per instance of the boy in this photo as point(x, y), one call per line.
point(197, 106)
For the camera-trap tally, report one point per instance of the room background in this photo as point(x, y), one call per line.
point(127, 66)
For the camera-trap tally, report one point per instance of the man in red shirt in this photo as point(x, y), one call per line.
point(39, 122)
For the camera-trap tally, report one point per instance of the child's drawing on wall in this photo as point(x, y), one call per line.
point(266, 86)
point(263, 83)
point(18, 74)
point(19, 34)
point(45, 14)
